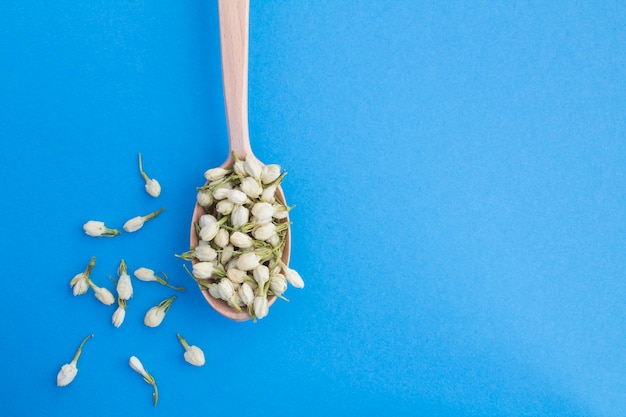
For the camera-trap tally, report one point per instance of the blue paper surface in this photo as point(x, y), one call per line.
point(459, 176)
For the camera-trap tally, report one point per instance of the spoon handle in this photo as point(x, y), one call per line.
point(234, 21)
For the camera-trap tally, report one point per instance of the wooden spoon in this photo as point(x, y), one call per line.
point(234, 21)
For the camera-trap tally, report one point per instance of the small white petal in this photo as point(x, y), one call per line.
point(136, 365)
point(253, 167)
point(261, 274)
point(241, 240)
point(294, 277)
point(251, 187)
point(124, 287)
point(215, 174)
point(237, 197)
point(225, 289)
point(246, 294)
point(205, 253)
point(94, 228)
point(208, 232)
point(206, 219)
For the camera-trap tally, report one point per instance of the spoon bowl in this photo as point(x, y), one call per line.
point(234, 29)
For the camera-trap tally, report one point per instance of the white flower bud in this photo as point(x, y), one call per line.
point(154, 317)
point(66, 374)
point(227, 253)
point(270, 173)
point(264, 232)
point(203, 270)
point(98, 229)
point(225, 289)
point(134, 224)
point(213, 291)
point(241, 240)
point(221, 193)
point(248, 261)
point(239, 168)
point(118, 316)
point(278, 284)
point(79, 284)
point(240, 216)
point(222, 238)
point(261, 274)
point(260, 307)
point(274, 240)
point(205, 253)
point(206, 219)
point(224, 207)
point(103, 295)
point(136, 365)
point(69, 370)
point(268, 194)
point(204, 198)
point(237, 197)
point(153, 187)
point(293, 277)
point(208, 232)
point(253, 167)
point(280, 212)
point(236, 275)
point(251, 187)
point(145, 274)
point(194, 355)
point(263, 212)
point(124, 287)
point(215, 174)
point(246, 293)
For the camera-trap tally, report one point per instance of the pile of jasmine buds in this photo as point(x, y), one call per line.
point(242, 237)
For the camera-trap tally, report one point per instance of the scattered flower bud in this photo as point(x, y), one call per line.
point(147, 274)
point(68, 371)
point(120, 313)
point(193, 354)
point(155, 315)
point(103, 295)
point(152, 186)
point(80, 282)
point(124, 286)
point(137, 223)
point(98, 229)
point(136, 365)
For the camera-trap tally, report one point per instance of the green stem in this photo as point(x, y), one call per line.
point(153, 214)
point(80, 348)
point(182, 341)
point(143, 174)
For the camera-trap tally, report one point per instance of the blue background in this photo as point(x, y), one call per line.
point(459, 172)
